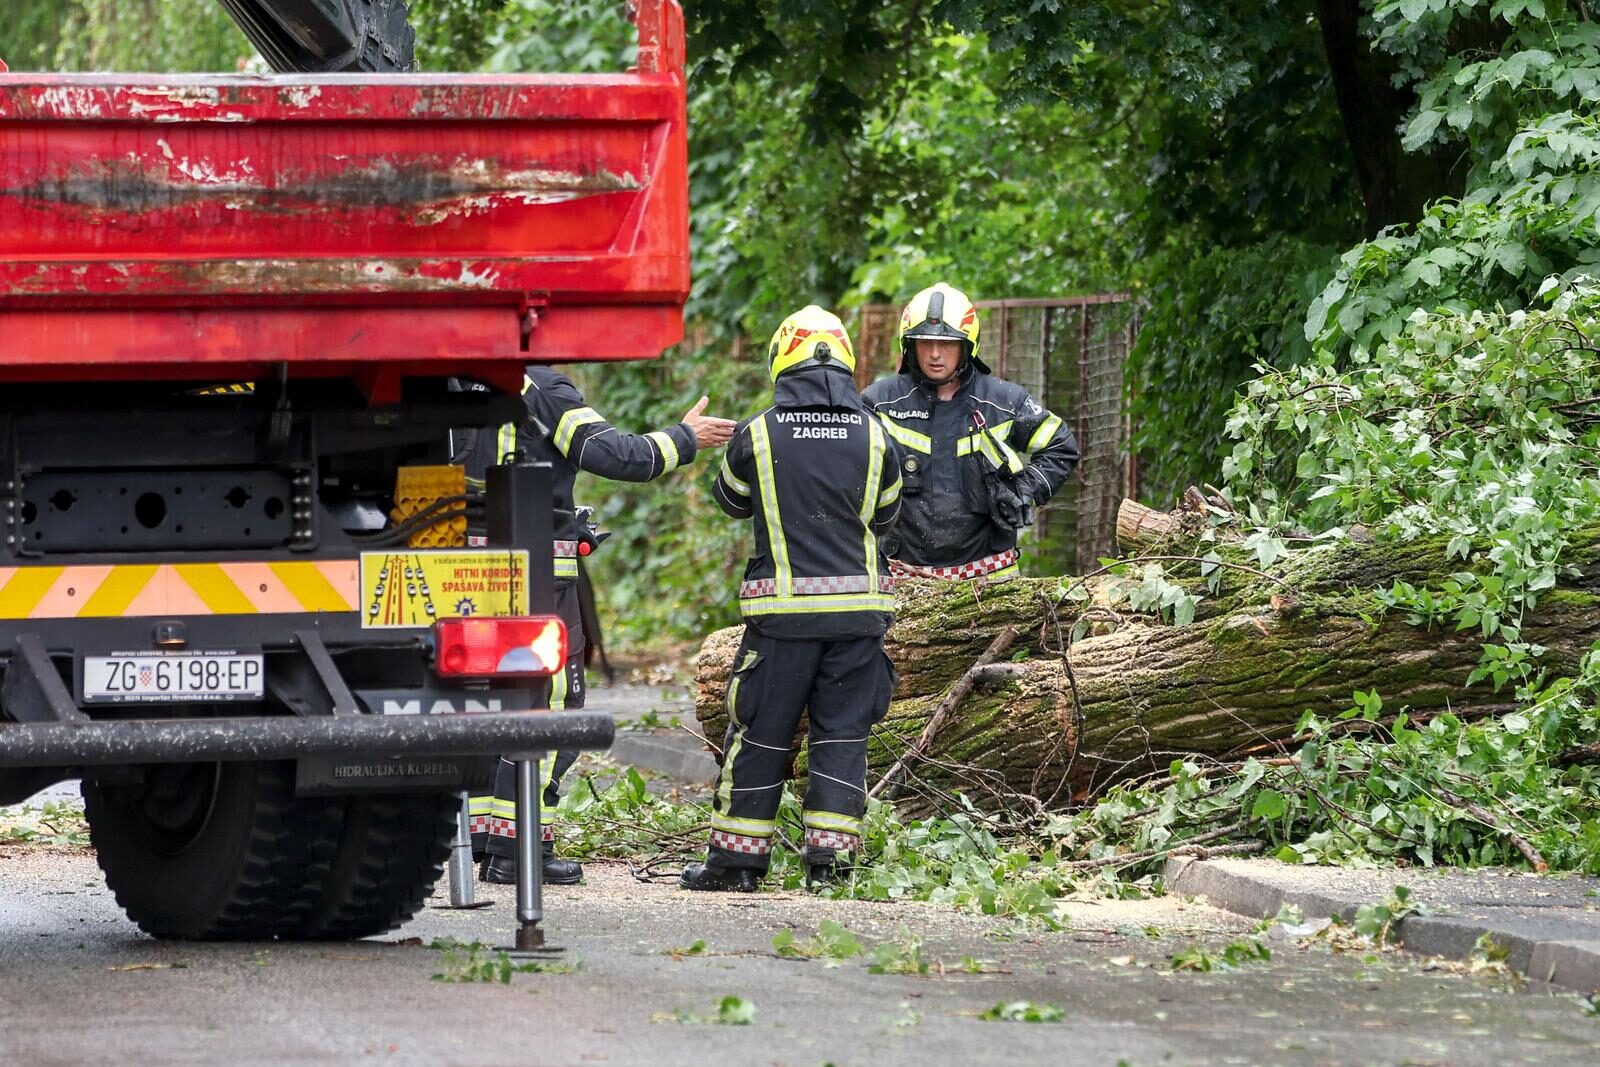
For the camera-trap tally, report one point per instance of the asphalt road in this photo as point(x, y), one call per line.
point(80, 985)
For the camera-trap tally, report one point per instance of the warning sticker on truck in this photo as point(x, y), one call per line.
point(415, 588)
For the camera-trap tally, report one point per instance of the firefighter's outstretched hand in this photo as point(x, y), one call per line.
point(709, 431)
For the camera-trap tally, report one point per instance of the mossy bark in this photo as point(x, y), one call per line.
point(1135, 693)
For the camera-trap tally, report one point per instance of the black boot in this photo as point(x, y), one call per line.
point(559, 871)
point(819, 875)
point(502, 870)
point(703, 876)
point(498, 870)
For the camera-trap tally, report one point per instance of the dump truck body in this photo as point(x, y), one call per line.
point(241, 318)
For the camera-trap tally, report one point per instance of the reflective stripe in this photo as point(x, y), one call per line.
point(1047, 429)
point(1000, 455)
point(995, 565)
point(506, 443)
point(767, 478)
point(921, 442)
point(795, 605)
point(740, 843)
point(498, 826)
point(832, 820)
point(668, 450)
point(570, 421)
point(480, 805)
point(804, 586)
point(566, 553)
point(752, 827)
point(869, 540)
point(235, 588)
point(890, 495)
point(732, 480)
point(966, 445)
point(833, 839)
point(730, 702)
point(559, 684)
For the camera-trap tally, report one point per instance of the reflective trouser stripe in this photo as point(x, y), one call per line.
point(832, 820)
point(844, 685)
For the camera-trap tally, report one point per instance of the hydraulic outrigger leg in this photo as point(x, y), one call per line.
point(530, 868)
point(520, 515)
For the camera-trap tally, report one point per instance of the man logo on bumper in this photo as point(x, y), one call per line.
point(423, 702)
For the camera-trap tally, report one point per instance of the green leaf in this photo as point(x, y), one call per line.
point(1269, 804)
point(1023, 1011)
point(736, 1011)
point(1418, 133)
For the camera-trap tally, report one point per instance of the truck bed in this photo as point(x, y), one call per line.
point(370, 227)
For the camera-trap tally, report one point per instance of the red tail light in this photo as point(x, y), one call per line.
point(485, 648)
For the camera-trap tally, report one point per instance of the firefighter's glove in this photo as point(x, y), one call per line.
point(1012, 508)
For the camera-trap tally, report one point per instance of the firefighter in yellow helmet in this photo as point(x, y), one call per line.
point(819, 477)
point(977, 452)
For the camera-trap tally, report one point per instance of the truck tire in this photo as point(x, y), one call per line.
point(227, 852)
point(391, 853)
point(214, 851)
point(329, 36)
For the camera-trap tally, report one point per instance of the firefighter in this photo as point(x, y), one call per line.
point(819, 476)
point(977, 452)
point(564, 431)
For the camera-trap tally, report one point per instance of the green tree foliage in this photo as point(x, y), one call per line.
point(1452, 389)
point(136, 35)
point(1523, 114)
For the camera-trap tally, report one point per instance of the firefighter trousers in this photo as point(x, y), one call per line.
point(844, 686)
point(494, 818)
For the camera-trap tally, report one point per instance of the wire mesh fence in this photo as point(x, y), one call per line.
point(1070, 352)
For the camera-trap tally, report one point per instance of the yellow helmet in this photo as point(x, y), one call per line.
point(939, 312)
point(810, 334)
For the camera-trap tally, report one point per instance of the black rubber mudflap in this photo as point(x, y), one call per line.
point(392, 852)
point(329, 36)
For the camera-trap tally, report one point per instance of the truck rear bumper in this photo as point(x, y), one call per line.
point(97, 744)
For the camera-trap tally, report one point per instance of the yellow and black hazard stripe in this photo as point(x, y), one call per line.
point(129, 590)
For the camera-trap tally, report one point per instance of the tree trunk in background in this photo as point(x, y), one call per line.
point(1395, 185)
point(1134, 693)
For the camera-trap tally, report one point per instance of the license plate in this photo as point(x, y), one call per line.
point(155, 677)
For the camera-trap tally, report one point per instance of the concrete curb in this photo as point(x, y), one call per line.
point(680, 756)
point(1549, 925)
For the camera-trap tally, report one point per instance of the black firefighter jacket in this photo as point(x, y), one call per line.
point(821, 478)
point(946, 447)
point(563, 430)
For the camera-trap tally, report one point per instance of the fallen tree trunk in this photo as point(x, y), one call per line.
point(1133, 693)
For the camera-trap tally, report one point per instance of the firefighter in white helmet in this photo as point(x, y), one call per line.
point(978, 453)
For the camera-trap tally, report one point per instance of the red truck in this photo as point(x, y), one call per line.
point(236, 317)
